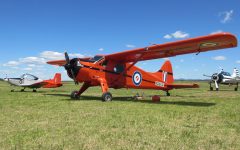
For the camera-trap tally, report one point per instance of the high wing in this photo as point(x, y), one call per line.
point(192, 45)
point(57, 62)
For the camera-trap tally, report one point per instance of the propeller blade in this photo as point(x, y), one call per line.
point(207, 75)
point(216, 84)
point(67, 58)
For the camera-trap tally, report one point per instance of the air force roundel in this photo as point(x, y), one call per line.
point(137, 78)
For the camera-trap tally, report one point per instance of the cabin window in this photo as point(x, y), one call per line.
point(105, 62)
point(119, 68)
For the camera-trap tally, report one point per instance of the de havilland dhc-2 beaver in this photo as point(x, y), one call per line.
point(33, 82)
point(118, 70)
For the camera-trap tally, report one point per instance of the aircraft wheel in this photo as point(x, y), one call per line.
point(235, 89)
point(168, 94)
point(34, 90)
point(12, 90)
point(106, 97)
point(22, 90)
point(74, 95)
point(211, 88)
point(216, 89)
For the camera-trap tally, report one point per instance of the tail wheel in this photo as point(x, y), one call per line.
point(106, 97)
point(34, 90)
point(75, 95)
point(236, 89)
point(167, 93)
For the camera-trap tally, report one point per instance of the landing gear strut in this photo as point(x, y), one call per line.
point(167, 93)
point(76, 94)
point(210, 86)
point(236, 88)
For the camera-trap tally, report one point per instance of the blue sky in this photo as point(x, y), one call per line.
point(33, 31)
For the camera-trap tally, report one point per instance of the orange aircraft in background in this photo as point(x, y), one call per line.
point(118, 70)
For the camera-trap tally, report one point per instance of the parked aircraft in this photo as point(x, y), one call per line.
point(33, 82)
point(118, 70)
point(224, 78)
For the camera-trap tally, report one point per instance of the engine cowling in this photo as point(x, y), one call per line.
point(217, 77)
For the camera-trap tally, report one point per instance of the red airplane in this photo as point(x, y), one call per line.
point(118, 70)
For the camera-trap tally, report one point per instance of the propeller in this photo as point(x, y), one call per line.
point(69, 67)
point(217, 78)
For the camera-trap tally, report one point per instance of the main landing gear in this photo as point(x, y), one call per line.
point(167, 93)
point(211, 88)
point(75, 95)
point(236, 88)
point(106, 97)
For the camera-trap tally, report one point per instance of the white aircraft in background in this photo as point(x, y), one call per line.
point(224, 78)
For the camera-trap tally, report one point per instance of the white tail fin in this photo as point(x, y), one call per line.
point(235, 73)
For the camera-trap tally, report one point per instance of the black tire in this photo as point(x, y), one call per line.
point(235, 89)
point(216, 89)
point(211, 88)
point(34, 90)
point(74, 95)
point(12, 90)
point(168, 94)
point(22, 90)
point(106, 97)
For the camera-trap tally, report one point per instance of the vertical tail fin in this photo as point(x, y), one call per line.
point(235, 73)
point(165, 73)
point(57, 78)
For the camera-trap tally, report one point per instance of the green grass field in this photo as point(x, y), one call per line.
point(188, 119)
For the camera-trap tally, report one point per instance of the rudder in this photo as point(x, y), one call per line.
point(57, 78)
point(166, 72)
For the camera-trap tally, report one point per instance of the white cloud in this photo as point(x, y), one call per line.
point(238, 61)
point(215, 32)
point(226, 16)
point(31, 65)
point(53, 55)
point(32, 60)
point(180, 34)
point(11, 63)
point(219, 58)
point(167, 36)
point(177, 35)
point(100, 49)
point(76, 55)
point(130, 46)
point(27, 69)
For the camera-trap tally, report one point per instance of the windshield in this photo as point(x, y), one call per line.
point(29, 77)
point(95, 58)
point(226, 74)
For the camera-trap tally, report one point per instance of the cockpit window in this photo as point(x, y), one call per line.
point(226, 74)
point(96, 58)
point(119, 68)
point(29, 77)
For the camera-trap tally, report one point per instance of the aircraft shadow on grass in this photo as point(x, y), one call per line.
point(130, 99)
